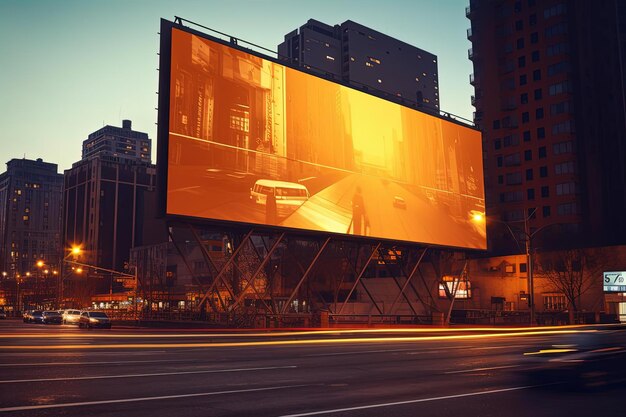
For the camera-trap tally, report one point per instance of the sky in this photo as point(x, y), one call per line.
point(69, 67)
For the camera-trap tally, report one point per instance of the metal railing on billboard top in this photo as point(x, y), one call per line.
point(323, 73)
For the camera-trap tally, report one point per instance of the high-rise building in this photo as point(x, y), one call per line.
point(30, 216)
point(365, 59)
point(118, 143)
point(549, 95)
point(104, 199)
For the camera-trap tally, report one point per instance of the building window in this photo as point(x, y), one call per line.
point(496, 124)
point(545, 191)
point(564, 127)
point(542, 152)
point(521, 62)
point(543, 172)
point(512, 160)
point(534, 56)
point(538, 94)
point(539, 113)
point(501, 180)
point(564, 168)
point(529, 174)
point(541, 133)
point(499, 161)
point(514, 178)
point(520, 43)
point(560, 88)
point(558, 68)
point(523, 80)
point(497, 144)
point(567, 209)
point(555, 10)
point(534, 37)
point(459, 286)
point(566, 188)
point(523, 98)
point(554, 302)
point(537, 75)
point(563, 147)
point(530, 194)
point(526, 135)
point(558, 49)
point(546, 211)
point(522, 267)
point(519, 25)
point(525, 117)
point(528, 155)
point(556, 30)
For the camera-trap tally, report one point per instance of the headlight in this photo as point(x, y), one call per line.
point(92, 320)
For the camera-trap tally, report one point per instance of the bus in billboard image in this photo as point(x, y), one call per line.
point(254, 141)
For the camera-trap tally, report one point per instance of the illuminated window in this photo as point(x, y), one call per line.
point(369, 64)
point(25, 218)
point(554, 302)
point(330, 58)
point(376, 60)
point(461, 285)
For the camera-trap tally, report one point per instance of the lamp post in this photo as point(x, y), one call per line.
point(528, 249)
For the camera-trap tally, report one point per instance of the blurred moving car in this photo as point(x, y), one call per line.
point(289, 196)
point(70, 316)
point(33, 316)
point(585, 360)
point(399, 202)
point(91, 319)
point(51, 317)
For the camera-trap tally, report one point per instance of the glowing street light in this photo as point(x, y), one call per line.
point(40, 263)
point(76, 250)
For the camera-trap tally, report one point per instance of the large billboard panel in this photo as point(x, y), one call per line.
point(254, 141)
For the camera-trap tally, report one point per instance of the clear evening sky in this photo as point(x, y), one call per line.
point(68, 67)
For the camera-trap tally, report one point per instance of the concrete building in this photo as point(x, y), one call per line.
point(30, 216)
point(365, 59)
point(105, 195)
point(118, 143)
point(549, 97)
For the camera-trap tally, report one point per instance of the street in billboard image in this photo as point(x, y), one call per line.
point(253, 141)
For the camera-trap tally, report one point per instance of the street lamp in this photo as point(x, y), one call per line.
point(528, 238)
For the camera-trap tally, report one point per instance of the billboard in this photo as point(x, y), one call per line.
point(614, 281)
point(253, 141)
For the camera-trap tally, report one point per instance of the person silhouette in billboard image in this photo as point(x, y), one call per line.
point(270, 207)
point(360, 222)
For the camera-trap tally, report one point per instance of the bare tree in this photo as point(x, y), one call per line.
point(572, 272)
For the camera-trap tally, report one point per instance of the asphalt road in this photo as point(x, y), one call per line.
point(61, 370)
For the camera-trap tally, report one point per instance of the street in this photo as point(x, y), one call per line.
point(62, 370)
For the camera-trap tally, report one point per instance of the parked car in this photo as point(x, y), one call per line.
point(33, 316)
point(71, 316)
point(51, 317)
point(90, 319)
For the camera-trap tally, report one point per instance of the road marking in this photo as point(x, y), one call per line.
point(409, 351)
point(499, 347)
point(138, 399)
point(89, 363)
point(210, 371)
point(421, 400)
point(481, 369)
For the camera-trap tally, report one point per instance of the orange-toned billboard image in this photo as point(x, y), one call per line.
point(253, 141)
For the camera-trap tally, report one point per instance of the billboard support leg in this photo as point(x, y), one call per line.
point(407, 282)
point(264, 261)
point(220, 274)
point(358, 279)
point(304, 276)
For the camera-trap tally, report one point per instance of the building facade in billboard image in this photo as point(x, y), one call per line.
point(253, 141)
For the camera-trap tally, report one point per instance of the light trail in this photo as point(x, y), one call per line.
point(303, 342)
point(295, 333)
